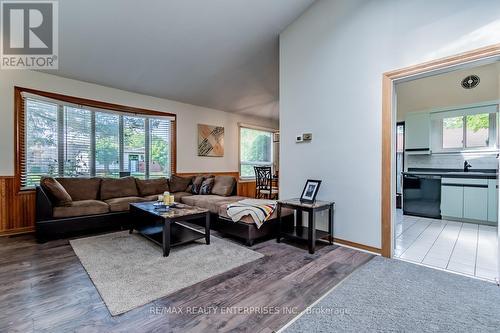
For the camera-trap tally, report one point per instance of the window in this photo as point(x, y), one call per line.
point(159, 157)
point(107, 144)
point(58, 138)
point(76, 135)
point(134, 146)
point(453, 130)
point(477, 130)
point(469, 131)
point(255, 150)
point(41, 156)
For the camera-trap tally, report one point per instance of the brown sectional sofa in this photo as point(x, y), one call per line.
point(92, 204)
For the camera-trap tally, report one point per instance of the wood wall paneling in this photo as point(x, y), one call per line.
point(246, 188)
point(17, 209)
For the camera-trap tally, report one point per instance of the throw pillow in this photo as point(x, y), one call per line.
point(56, 191)
point(179, 184)
point(223, 185)
point(196, 186)
point(206, 186)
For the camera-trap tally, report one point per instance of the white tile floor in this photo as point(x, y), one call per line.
point(465, 248)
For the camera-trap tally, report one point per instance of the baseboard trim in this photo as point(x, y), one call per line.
point(358, 245)
point(17, 231)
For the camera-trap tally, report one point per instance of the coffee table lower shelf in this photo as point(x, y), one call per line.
point(180, 234)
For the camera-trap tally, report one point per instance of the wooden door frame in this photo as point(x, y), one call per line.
point(388, 120)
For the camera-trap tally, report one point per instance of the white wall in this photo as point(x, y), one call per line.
point(188, 116)
point(331, 64)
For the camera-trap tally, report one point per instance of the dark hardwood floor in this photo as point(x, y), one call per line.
point(44, 288)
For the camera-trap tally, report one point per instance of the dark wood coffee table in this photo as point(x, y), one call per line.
point(165, 228)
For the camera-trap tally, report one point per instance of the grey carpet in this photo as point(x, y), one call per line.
point(129, 271)
point(394, 296)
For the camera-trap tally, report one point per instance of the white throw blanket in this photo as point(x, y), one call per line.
point(258, 209)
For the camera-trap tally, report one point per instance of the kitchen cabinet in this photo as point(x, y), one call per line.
point(476, 203)
point(452, 201)
point(468, 199)
point(492, 200)
point(417, 133)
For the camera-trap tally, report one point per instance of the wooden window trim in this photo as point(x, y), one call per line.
point(388, 122)
point(19, 126)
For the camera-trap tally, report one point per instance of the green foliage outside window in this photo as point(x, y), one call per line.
point(255, 149)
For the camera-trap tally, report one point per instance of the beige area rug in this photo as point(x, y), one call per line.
point(130, 271)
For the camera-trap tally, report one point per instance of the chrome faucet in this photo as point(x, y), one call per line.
point(467, 166)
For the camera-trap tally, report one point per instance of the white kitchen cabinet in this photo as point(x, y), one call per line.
point(492, 200)
point(469, 199)
point(417, 133)
point(452, 201)
point(476, 203)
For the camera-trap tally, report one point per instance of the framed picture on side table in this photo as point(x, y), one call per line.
point(310, 191)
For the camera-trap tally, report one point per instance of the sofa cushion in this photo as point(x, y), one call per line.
point(207, 185)
point(122, 204)
point(210, 201)
point(247, 219)
point(224, 185)
point(118, 188)
point(81, 208)
point(179, 184)
point(81, 188)
point(179, 195)
point(153, 197)
point(58, 195)
point(148, 187)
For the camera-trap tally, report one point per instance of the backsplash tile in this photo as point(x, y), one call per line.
point(452, 161)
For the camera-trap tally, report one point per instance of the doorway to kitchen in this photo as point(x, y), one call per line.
point(445, 179)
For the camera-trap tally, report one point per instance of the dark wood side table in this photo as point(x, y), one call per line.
point(308, 233)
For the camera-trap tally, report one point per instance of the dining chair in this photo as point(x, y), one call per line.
point(264, 183)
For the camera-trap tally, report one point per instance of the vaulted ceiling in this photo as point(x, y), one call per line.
point(221, 54)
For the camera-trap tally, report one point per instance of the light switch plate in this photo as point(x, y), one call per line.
point(299, 138)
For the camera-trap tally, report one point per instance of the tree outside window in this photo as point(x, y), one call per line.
point(255, 150)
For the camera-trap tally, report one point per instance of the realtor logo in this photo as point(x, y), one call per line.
point(29, 35)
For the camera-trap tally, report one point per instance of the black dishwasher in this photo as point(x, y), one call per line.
point(422, 195)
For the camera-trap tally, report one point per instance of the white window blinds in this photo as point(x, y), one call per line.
point(62, 139)
point(41, 153)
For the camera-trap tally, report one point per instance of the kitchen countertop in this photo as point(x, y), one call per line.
point(453, 173)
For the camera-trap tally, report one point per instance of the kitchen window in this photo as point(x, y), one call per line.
point(465, 129)
point(453, 130)
point(469, 131)
point(63, 139)
point(255, 150)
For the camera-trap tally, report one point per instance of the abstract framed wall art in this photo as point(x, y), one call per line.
point(210, 140)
